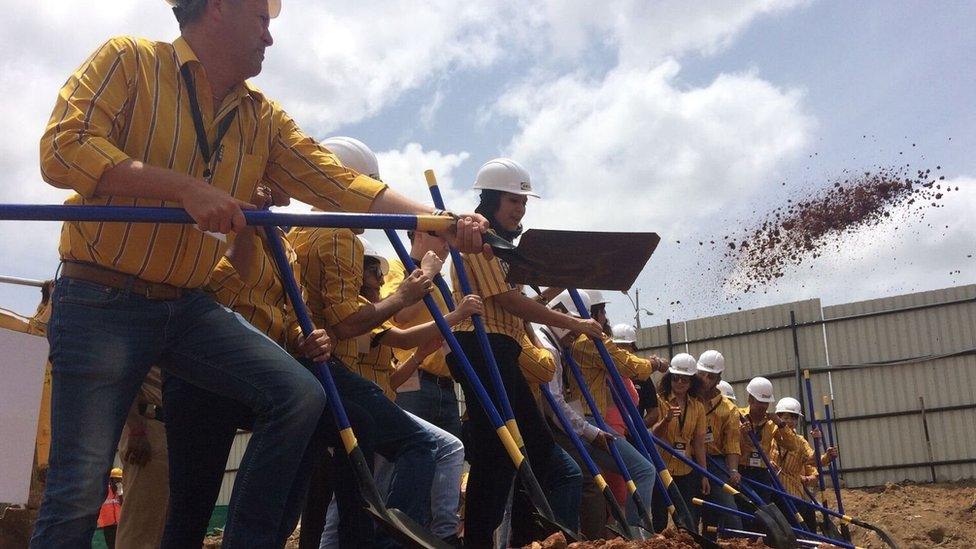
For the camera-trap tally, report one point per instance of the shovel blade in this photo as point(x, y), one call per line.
point(579, 259)
point(779, 533)
point(538, 498)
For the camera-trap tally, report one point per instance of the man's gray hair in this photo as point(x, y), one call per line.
point(188, 11)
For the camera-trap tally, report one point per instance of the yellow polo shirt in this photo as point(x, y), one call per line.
point(722, 426)
point(594, 371)
point(332, 273)
point(262, 300)
point(681, 431)
point(487, 277)
point(375, 363)
point(795, 464)
point(436, 362)
point(128, 101)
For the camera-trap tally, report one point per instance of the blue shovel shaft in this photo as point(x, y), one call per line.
point(794, 515)
point(127, 214)
point(834, 475)
point(816, 425)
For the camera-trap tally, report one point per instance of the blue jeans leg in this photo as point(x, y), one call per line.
point(642, 472)
point(721, 497)
point(102, 343)
point(562, 482)
point(212, 348)
point(434, 404)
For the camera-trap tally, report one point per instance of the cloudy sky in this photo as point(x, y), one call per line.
point(683, 118)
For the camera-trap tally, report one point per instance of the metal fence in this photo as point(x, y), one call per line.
point(901, 372)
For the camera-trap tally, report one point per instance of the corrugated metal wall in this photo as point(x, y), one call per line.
point(760, 342)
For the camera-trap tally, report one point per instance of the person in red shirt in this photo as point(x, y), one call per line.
point(108, 515)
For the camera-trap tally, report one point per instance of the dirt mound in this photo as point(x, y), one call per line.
point(669, 539)
point(917, 516)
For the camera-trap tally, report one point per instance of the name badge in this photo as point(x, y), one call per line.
point(709, 437)
point(755, 460)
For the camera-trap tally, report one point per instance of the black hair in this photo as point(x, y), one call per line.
point(410, 235)
point(665, 388)
point(488, 207)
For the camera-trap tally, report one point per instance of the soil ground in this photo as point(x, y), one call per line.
point(917, 516)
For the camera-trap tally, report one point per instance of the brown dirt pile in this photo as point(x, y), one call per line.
point(669, 539)
point(917, 516)
point(801, 230)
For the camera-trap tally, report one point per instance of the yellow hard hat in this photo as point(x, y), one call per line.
point(116, 473)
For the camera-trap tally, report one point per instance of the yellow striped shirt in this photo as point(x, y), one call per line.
point(681, 431)
point(261, 301)
point(376, 362)
point(128, 101)
point(487, 277)
point(585, 354)
point(537, 365)
point(436, 362)
point(795, 464)
point(332, 273)
point(722, 427)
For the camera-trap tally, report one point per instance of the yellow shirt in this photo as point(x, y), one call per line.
point(722, 426)
point(435, 363)
point(773, 440)
point(681, 431)
point(261, 301)
point(332, 273)
point(375, 363)
point(594, 371)
point(795, 464)
point(487, 277)
point(537, 365)
point(128, 101)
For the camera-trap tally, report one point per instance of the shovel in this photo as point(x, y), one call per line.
point(498, 385)
point(758, 536)
point(591, 466)
point(612, 259)
point(396, 522)
point(521, 464)
point(834, 473)
point(808, 535)
point(774, 478)
point(828, 527)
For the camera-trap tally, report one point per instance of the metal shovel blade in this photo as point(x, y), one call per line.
point(544, 512)
point(404, 529)
point(779, 533)
point(600, 260)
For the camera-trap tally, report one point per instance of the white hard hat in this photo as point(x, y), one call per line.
point(761, 389)
point(566, 301)
point(504, 174)
point(683, 364)
point(596, 297)
point(712, 362)
point(370, 251)
point(726, 389)
point(624, 333)
point(789, 405)
point(274, 6)
point(354, 154)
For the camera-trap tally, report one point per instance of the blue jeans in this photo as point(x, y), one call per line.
point(400, 440)
point(103, 341)
point(641, 471)
point(721, 497)
point(433, 403)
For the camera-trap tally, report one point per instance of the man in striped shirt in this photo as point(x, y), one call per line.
point(145, 123)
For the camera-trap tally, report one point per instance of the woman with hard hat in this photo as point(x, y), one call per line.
point(727, 390)
point(797, 468)
point(505, 187)
point(721, 435)
point(682, 425)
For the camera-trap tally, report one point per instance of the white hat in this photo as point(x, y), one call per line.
point(761, 389)
point(370, 251)
point(354, 154)
point(683, 364)
point(726, 389)
point(566, 301)
point(596, 297)
point(789, 405)
point(504, 174)
point(624, 333)
point(712, 362)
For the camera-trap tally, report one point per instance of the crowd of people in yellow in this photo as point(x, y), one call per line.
point(167, 339)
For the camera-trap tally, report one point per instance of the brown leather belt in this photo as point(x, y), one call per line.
point(442, 381)
point(115, 279)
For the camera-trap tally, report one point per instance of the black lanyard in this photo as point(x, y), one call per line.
point(205, 149)
point(683, 416)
